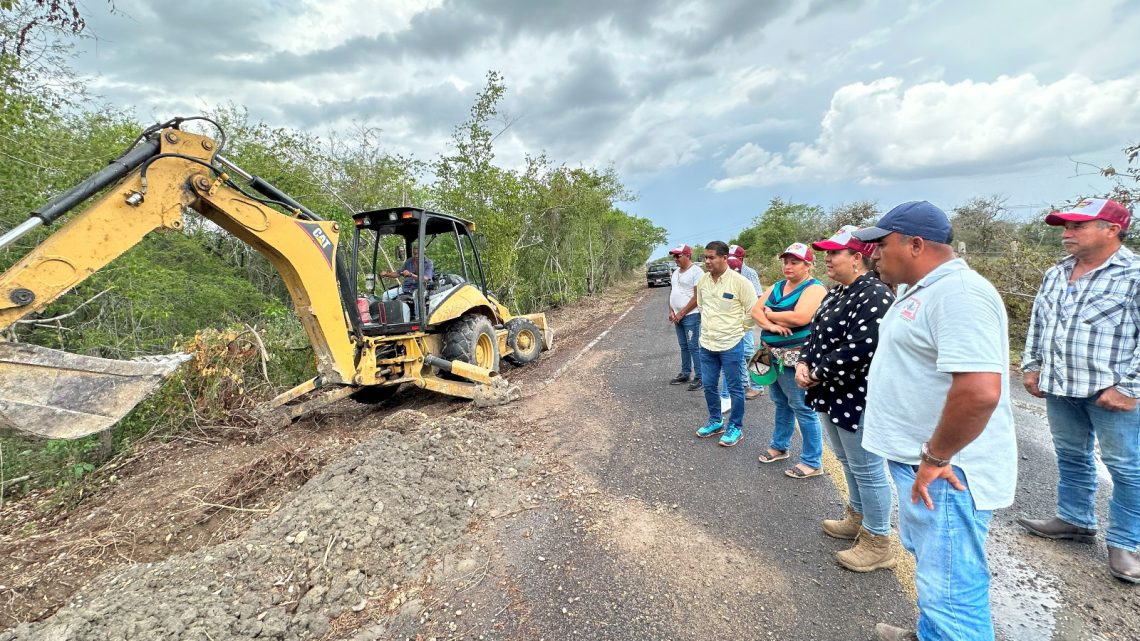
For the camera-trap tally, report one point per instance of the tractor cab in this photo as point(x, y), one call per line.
point(414, 260)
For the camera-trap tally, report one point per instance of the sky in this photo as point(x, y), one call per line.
point(706, 109)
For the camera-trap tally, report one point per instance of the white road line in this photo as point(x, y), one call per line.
point(582, 352)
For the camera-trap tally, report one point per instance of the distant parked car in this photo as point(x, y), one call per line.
point(657, 274)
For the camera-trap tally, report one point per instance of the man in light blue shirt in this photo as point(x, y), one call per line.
point(408, 271)
point(938, 409)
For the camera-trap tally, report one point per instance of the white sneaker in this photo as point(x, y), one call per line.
point(725, 404)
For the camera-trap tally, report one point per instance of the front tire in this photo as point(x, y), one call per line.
point(525, 341)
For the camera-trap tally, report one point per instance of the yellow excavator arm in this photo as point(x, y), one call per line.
point(60, 395)
point(55, 394)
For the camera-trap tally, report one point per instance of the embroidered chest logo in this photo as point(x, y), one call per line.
point(910, 309)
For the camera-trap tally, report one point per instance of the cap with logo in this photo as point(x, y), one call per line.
point(735, 257)
point(915, 218)
point(1104, 209)
point(761, 369)
point(843, 239)
point(800, 251)
point(682, 250)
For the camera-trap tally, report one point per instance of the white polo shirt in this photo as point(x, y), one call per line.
point(951, 321)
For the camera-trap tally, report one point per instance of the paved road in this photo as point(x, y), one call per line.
point(698, 541)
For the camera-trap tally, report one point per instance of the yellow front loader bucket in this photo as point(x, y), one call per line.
point(56, 394)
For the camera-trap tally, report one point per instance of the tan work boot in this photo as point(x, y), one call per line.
point(870, 552)
point(891, 633)
point(844, 528)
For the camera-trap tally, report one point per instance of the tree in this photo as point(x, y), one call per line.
point(983, 224)
point(28, 18)
point(861, 213)
point(35, 45)
point(1126, 189)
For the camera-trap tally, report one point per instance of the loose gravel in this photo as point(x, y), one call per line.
point(348, 540)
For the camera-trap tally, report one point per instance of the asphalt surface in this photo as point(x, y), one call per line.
point(735, 548)
point(679, 538)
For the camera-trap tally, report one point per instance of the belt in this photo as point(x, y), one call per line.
point(786, 355)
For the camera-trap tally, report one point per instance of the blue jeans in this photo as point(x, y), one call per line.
point(688, 337)
point(791, 408)
point(712, 363)
point(749, 350)
point(1075, 424)
point(868, 491)
point(948, 544)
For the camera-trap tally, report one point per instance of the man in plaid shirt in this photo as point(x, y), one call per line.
point(1082, 355)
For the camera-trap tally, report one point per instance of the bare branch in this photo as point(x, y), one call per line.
point(55, 319)
point(261, 351)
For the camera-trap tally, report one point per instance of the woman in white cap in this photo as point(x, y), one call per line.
point(784, 315)
point(833, 369)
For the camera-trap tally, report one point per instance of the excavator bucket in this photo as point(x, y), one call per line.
point(60, 395)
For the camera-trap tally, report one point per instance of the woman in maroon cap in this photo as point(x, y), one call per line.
point(833, 369)
point(784, 314)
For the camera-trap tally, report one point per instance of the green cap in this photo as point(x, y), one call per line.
point(761, 371)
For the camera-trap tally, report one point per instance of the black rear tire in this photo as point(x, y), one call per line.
point(472, 340)
point(525, 339)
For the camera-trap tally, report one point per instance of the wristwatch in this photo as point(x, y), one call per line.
point(931, 459)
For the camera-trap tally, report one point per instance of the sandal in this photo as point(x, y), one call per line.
point(765, 457)
point(797, 472)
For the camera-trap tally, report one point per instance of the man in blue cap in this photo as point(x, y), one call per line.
point(938, 409)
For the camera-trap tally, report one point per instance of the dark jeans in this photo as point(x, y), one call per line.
point(712, 363)
point(688, 337)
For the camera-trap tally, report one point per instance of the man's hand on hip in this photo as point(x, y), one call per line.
point(1112, 400)
point(1031, 380)
point(926, 475)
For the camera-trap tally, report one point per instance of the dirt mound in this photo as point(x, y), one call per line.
point(345, 542)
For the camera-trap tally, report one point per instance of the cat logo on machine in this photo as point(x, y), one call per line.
point(320, 238)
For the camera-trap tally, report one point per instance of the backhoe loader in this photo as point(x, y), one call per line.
point(440, 328)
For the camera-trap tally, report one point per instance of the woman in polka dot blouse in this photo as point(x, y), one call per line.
point(833, 369)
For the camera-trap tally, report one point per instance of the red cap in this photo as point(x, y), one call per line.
point(843, 239)
point(683, 249)
point(800, 251)
point(1093, 209)
point(736, 251)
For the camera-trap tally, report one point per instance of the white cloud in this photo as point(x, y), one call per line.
point(319, 24)
point(885, 131)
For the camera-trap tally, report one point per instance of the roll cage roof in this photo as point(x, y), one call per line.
point(405, 221)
